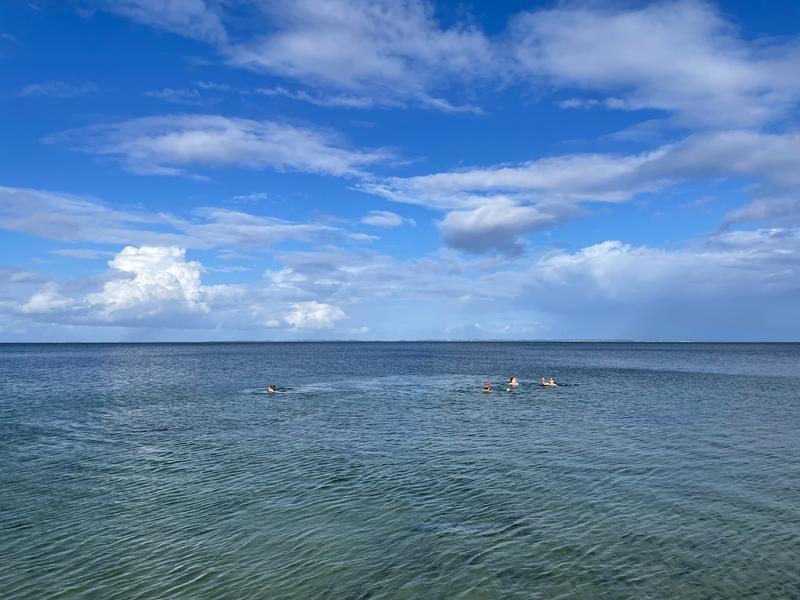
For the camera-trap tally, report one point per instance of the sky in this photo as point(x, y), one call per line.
point(198, 170)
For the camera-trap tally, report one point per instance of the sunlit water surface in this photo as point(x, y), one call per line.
point(382, 471)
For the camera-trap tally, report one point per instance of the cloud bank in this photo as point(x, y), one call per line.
point(494, 207)
point(682, 57)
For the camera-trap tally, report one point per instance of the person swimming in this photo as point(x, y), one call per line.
point(512, 382)
point(487, 387)
point(548, 383)
point(271, 389)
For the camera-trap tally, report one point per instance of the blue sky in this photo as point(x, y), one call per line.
point(268, 170)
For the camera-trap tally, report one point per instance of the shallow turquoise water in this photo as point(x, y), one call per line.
point(157, 471)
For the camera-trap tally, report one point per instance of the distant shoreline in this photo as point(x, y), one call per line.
point(217, 342)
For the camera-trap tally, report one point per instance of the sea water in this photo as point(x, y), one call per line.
point(382, 471)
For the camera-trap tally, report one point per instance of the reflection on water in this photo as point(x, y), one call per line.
point(382, 471)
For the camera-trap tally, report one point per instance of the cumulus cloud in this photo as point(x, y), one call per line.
point(682, 57)
point(157, 286)
point(144, 286)
point(175, 144)
point(148, 286)
point(608, 289)
point(314, 315)
point(48, 300)
point(159, 278)
point(17, 286)
point(385, 218)
point(700, 291)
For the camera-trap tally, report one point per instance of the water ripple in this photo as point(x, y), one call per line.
point(159, 473)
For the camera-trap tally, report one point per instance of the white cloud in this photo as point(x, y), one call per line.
point(228, 254)
point(568, 178)
point(363, 237)
point(385, 218)
point(490, 208)
point(159, 279)
point(82, 253)
point(608, 289)
point(682, 57)
point(178, 96)
point(148, 286)
point(363, 53)
point(217, 87)
point(175, 144)
point(223, 227)
point(602, 290)
point(56, 89)
point(384, 52)
point(768, 210)
point(496, 226)
point(611, 103)
point(340, 277)
point(65, 217)
point(328, 100)
point(251, 198)
point(314, 315)
point(197, 19)
point(716, 288)
point(231, 269)
point(48, 300)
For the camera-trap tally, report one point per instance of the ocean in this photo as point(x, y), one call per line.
point(380, 470)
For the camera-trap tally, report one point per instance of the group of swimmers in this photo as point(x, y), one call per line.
point(512, 383)
point(487, 387)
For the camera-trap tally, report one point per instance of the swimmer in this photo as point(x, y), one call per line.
point(549, 383)
point(271, 389)
point(487, 387)
point(512, 382)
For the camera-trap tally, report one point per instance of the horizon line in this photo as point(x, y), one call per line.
point(411, 341)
